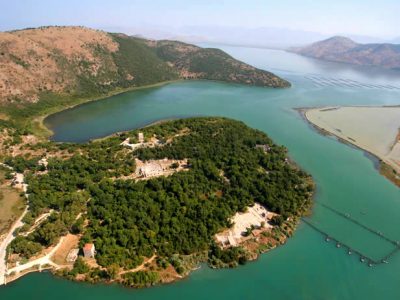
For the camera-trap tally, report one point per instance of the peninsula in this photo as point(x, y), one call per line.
point(146, 206)
point(139, 207)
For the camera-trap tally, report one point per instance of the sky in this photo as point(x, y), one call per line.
point(357, 17)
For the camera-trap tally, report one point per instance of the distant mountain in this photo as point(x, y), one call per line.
point(261, 37)
point(396, 40)
point(268, 37)
point(345, 50)
point(78, 62)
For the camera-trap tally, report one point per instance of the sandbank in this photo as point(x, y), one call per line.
point(373, 129)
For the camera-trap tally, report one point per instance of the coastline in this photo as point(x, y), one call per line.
point(158, 122)
point(258, 241)
point(253, 247)
point(41, 130)
point(385, 168)
point(258, 244)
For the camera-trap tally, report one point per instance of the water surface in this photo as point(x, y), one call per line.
point(307, 267)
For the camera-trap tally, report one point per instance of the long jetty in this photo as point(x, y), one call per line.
point(348, 217)
point(339, 243)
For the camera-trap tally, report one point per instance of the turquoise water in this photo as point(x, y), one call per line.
point(307, 267)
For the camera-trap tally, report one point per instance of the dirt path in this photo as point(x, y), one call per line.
point(141, 267)
point(37, 222)
point(38, 262)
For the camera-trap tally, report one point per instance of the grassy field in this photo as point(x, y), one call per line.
point(11, 205)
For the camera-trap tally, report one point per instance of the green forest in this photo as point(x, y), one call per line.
point(128, 220)
point(214, 64)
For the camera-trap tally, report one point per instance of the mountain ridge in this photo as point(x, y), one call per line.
point(73, 61)
point(344, 50)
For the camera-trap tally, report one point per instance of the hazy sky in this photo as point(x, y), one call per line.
point(363, 17)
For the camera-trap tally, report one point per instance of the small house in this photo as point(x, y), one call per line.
point(89, 250)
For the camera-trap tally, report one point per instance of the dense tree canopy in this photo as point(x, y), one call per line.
point(230, 167)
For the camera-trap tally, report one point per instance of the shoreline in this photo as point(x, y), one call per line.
point(157, 122)
point(279, 235)
point(258, 242)
point(384, 168)
point(46, 132)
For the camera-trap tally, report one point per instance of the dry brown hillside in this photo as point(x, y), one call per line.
point(34, 60)
point(59, 64)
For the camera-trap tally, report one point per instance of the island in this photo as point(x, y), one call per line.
point(372, 129)
point(147, 206)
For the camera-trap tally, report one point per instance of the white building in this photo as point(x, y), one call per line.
point(89, 250)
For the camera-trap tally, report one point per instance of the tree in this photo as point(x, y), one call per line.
point(80, 267)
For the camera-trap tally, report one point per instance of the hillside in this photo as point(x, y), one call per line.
point(44, 64)
point(193, 62)
point(341, 49)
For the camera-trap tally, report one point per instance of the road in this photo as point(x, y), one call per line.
point(3, 246)
point(38, 262)
point(10, 235)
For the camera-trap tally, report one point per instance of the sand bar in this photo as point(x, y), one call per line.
point(374, 129)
